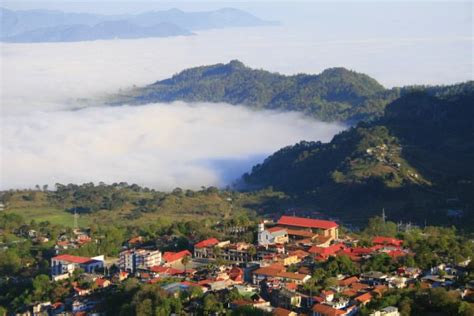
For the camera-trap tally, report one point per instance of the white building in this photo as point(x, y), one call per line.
point(63, 266)
point(133, 259)
point(271, 236)
point(387, 311)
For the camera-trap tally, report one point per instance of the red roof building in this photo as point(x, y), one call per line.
point(325, 252)
point(170, 257)
point(71, 259)
point(381, 240)
point(322, 227)
point(326, 310)
point(211, 242)
point(306, 222)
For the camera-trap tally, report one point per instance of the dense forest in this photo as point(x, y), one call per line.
point(415, 159)
point(336, 94)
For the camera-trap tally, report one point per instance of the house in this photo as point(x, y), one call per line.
point(102, 283)
point(171, 258)
point(271, 236)
point(363, 298)
point(204, 249)
point(278, 272)
point(387, 311)
point(283, 312)
point(323, 253)
point(321, 227)
point(326, 310)
point(285, 298)
point(63, 266)
point(132, 259)
point(387, 241)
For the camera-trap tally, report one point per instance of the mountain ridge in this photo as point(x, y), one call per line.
point(336, 94)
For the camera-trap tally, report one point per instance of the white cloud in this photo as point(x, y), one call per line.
point(44, 141)
point(159, 145)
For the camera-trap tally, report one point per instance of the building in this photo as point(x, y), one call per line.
point(204, 249)
point(387, 241)
point(271, 236)
point(387, 311)
point(132, 259)
point(321, 227)
point(63, 266)
point(278, 272)
point(326, 310)
point(171, 258)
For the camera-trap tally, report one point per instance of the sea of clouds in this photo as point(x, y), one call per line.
point(55, 128)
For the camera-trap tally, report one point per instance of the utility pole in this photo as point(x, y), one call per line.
point(76, 216)
point(383, 215)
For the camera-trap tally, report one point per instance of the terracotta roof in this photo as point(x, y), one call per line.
point(306, 222)
point(72, 259)
point(169, 256)
point(301, 233)
point(364, 298)
point(291, 275)
point(207, 243)
point(387, 240)
point(359, 286)
point(348, 281)
point(299, 253)
point(327, 310)
point(276, 229)
point(326, 251)
point(267, 271)
point(281, 312)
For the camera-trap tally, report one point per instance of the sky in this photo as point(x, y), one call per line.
point(54, 127)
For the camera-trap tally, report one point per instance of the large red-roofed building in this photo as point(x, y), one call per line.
point(322, 227)
point(62, 266)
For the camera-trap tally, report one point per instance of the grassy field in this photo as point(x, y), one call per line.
point(50, 214)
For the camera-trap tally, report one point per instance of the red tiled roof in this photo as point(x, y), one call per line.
point(396, 253)
point(327, 310)
point(348, 281)
point(279, 311)
point(276, 229)
point(170, 256)
point(72, 259)
point(306, 222)
point(300, 233)
point(387, 240)
point(326, 251)
point(299, 253)
point(364, 298)
point(207, 243)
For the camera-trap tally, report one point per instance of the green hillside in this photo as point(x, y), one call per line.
point(413, 160)
point(337, 94)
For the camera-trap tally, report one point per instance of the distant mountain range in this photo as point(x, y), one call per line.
point(337, 94)
point(58, 26)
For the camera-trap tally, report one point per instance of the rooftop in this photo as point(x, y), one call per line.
point(306, 222)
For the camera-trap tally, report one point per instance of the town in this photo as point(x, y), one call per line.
point(293, 266)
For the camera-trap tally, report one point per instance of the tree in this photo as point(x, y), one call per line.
point(144, 308)
point(10, 262)
point(41, 287)
point(185, 262)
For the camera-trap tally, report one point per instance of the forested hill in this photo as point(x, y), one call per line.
point(337, 94)
point(412, 160)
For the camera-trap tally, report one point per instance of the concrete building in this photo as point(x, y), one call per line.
point(132, 259)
